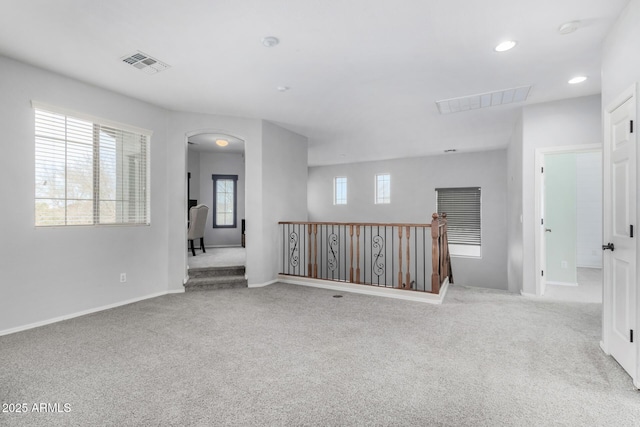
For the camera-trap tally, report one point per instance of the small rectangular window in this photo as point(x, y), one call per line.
point(225, 192)
point(340, 190)
point(464, 221)
point(383, 188)
point(88, 172)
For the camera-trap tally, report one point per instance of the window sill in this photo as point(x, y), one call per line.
point(465, 251)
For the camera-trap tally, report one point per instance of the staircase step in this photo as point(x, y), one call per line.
point(216, 271)
point(217, 282)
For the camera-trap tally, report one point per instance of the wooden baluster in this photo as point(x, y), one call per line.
point(408, 282)
point(309, 266)
point(315, 251)
point(443, 248)
point(447, 256)
point(400, 257)
point(435, 261)
point(351, 253)
point(358, 254)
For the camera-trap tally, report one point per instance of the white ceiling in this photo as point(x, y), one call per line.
point(364, 74)
point(207, 142)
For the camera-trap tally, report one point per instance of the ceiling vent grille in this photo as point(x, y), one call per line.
point(144, 62)
point(483, 100)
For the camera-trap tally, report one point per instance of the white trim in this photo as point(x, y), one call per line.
point(176, 291)
point(262, 285)
point(599, 267)
point(84, 312)
point(549, 282)
point(84, 116)
point(539, 156)
point(466, 251)
point(424, 297)
point(528, 295)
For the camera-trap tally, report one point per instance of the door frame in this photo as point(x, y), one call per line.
point(538, 234)
point(185, 215)
point(607, 304)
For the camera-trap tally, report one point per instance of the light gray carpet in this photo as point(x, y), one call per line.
point(288, 355)
point(217, 257)
point(589, 287)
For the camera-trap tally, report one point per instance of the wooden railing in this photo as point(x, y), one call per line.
point(388, 255)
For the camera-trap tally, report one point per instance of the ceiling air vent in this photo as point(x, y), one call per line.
point(144, 62)
point(483, 100)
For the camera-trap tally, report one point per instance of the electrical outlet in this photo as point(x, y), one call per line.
point(564, 264)
point(123, 277)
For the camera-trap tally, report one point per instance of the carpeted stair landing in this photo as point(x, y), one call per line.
point(210, 278)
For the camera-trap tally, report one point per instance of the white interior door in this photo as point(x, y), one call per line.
point(620, 284)
point(543, 229)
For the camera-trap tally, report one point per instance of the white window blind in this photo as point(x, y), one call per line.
point(88, 173)
point(340, 190)
point(463, 209)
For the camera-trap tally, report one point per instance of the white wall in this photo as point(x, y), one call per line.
point(284, 175)
point(275, 177)
point(413, 200)
point(221, 164)
point(514, 208)
point(193, 167)
point(181, 125)
point(52, 273)
point(570, 122)
point(589, 209)
point(46, 273)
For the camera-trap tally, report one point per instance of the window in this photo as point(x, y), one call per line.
point(88, 172)
point(463, 209)
point(225, 192)
point(383, 188)
point(340, 190)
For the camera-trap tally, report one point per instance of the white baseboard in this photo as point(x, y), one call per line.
point(85, 312)
point(528, 295)
point(561, 283)
point(369, 290)
point(262, 285)
point(176, 291)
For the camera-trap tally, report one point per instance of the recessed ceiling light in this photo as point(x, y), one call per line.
point(283, 88)
point(222, 142)
point(568, 27)
point(576, 80)
point(506, 45)
point(270, 41)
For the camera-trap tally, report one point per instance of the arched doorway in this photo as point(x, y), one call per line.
point(216, 178)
